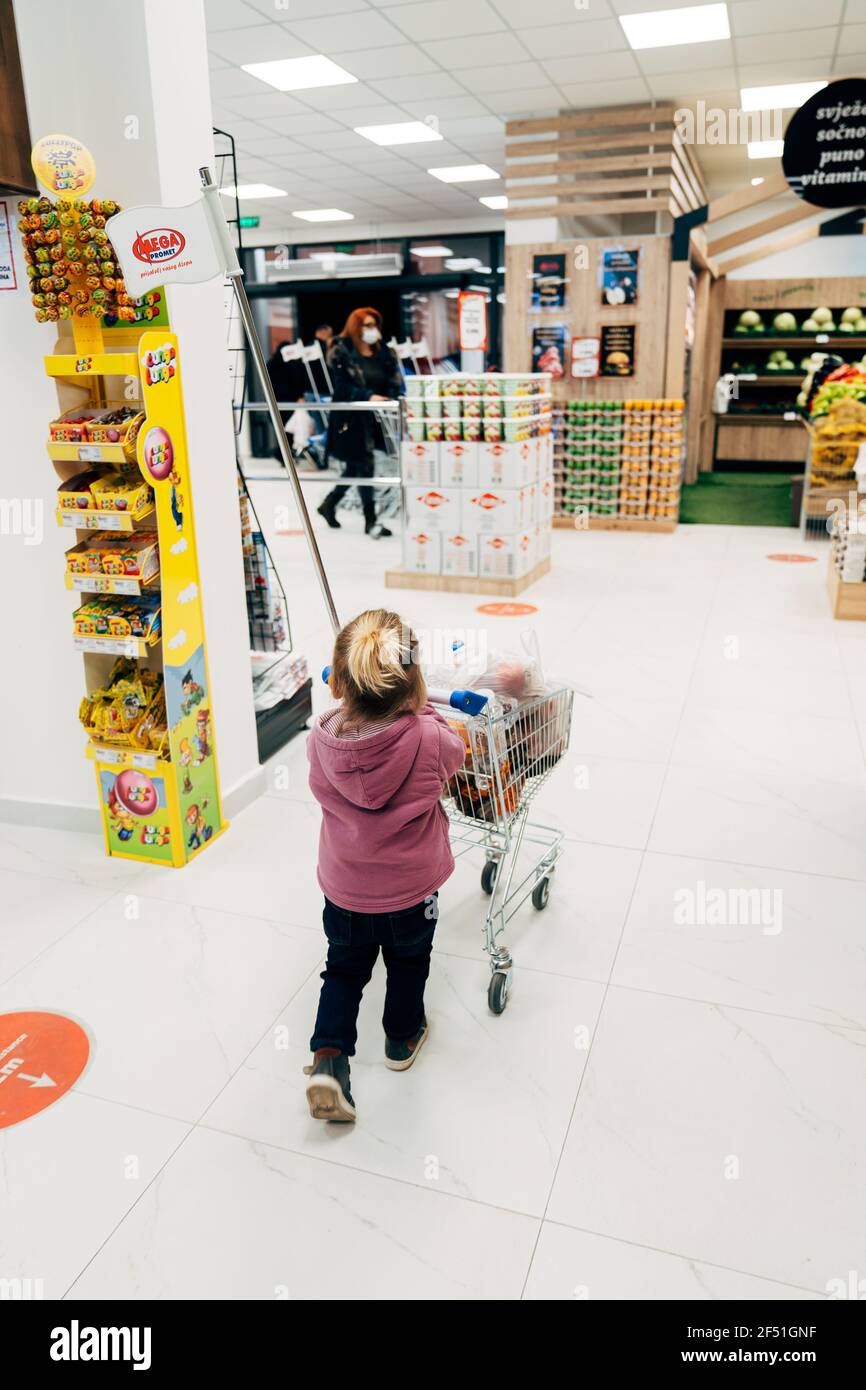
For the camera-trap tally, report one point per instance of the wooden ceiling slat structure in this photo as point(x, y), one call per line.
point(639, 143)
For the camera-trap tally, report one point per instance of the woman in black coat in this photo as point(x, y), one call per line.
point(362, 368)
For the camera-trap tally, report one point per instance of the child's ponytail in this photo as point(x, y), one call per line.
point(375, 668)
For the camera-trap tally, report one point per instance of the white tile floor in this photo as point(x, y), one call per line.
point(663, 1111)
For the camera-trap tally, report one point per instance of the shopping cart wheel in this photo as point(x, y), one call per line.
point(497, 992)
point(488, 878)
point(541, 894)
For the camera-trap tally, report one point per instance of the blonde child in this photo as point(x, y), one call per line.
point(378, 764)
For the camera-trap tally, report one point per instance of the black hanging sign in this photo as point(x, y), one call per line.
point(824, 156)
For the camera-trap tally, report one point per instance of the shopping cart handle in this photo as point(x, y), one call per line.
point(470, 701)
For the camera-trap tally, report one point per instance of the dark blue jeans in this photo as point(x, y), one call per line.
point(354, 941)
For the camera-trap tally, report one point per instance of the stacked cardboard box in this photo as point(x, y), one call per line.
point(481, 507)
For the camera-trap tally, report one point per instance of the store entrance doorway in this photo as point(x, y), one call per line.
point(334, 306)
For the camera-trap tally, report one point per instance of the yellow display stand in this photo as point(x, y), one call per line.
point(160, 800)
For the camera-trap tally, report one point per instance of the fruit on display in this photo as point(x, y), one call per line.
point(750, 321)
point(852, 316)
point(823, 316)
point(779, 361)
point(845, 382)
point(810, 325)
point(784, 323)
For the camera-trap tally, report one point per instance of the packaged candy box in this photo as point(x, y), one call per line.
point(114, 493)
point(71, 426)
point(76, 492)
point(117, 424)
point(128, 557)
point(118, 617)
point(128, 710)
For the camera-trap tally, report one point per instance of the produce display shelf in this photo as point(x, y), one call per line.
point(772, 379)
point(614, 523)
point(766, 417)
point(779, 340)
point(114, 646)
point(111, 584)
point(466, 584)
point(88, 453)
point(121, 756)
point(67, 364)
point(73, 519)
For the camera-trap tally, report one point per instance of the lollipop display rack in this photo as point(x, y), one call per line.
point(118, 446)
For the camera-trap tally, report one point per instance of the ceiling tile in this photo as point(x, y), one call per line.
point(606, 93)
point(278, 147)
point(265, 103)
point(303, 123)
point(238, 128)
point(442, 17)
point(778, 16)
point(475, 128)
point(487, 51)
point(383, 114)
point(782, 70)
point(641, 6)
point(575, 69)
point(232, 14)
point(233, 82)
point(684, 57)
point(289, 10)
point(517, 13)
point(855, 10)
point(446, 107)
point(852, 64)
point(496, 79)
point(560, 40)
point(519, 100)
point(397, 60)
point(356, 30)
point(672, 86)
point(799, 43)
point(334, 99)
point(422, 87)
point(260, 44)
point(854, 36)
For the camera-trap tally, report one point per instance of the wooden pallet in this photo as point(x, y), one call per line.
point(847, 600)
point(465, 584)
point(615, 523)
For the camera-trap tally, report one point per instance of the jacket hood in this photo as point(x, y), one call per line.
point(369, 771)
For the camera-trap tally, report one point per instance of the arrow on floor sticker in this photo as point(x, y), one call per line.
point(43, 1080)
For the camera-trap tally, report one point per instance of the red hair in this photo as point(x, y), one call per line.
point(353, 326)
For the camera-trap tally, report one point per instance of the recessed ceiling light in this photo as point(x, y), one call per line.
point(755, 182)
point(399, 133)
point(300, 74)
point(439, 251)
point(765, 149)
point(781, 97)
point(665, 28)
point(253, 190)
point(464, 173)
point(495, 201)
point(325, 215)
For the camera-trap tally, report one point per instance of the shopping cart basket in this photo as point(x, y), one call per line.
point(511, 749)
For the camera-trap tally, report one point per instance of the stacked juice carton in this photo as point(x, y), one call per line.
point(478, 475)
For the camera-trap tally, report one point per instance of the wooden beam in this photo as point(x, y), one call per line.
point(590, 208)
point(616, 164)
point(686, 173)
point(661, 137)
point(693, 168)
point(604, 118)
point(764, 228)
point(742, 198)
point(565, 190)
point(782, 243)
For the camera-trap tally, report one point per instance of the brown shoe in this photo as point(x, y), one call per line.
point(400, 1055)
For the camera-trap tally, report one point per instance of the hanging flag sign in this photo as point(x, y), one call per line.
point(824, 154)
point(164, 246)
point(472, 317)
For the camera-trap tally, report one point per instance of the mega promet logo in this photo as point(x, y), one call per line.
point(158, 245)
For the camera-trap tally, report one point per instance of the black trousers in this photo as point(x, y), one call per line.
point(363, 467)
point(354, 940)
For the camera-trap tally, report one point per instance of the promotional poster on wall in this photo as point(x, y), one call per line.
point(585, 357)
point(550, 349)
point(619, 276)
point(618, 349)
point(548, 282)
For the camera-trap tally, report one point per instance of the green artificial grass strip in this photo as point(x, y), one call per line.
point(737, 499)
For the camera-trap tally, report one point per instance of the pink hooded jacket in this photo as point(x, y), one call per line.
point(384, 839)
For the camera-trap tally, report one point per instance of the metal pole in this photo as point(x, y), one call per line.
point(235, 274)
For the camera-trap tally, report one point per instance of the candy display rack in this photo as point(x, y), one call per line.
point(155, 763)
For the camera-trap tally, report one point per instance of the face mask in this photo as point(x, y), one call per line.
point(370, 335)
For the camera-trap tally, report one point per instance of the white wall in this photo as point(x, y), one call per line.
point(827, 255)
point(87, 69)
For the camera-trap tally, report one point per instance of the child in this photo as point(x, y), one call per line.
point(378, 765)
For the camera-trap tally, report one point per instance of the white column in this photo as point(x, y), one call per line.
point(131, 81)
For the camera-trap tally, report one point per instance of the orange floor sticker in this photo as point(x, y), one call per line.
point(41, 1056)
point(793, 559)
point(507, 610)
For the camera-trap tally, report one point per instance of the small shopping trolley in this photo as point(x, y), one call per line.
point(511, 750)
